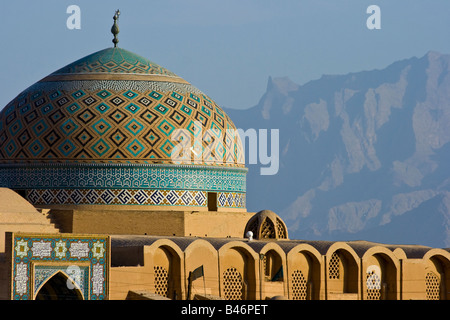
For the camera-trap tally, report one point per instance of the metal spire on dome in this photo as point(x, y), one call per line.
point(115, 28)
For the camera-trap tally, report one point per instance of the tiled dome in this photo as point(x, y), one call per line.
point(110, 122)
point(114, 106)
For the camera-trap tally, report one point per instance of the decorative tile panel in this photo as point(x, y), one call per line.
point(132, 197)
point(122, 176)
point(36, 258)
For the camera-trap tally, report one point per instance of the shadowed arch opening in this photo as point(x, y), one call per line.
point(342, 274)
point(380, 278)
point(272, 266)
point(166, 268)
point(57, 288)
point(238, 274)
point(437, 279)
point(305, 276)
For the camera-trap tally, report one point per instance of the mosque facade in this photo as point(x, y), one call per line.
point(121, 180)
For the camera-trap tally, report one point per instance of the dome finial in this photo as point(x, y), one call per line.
point(115, 28)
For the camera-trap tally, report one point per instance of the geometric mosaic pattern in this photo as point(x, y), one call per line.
point(132, 197)
point(231, 200)
point(114, 60)
point(36, 258)
point(117, 109)
point(122, 176)
point(100, 120)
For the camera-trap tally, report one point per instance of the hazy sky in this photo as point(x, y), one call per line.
point(227, 48)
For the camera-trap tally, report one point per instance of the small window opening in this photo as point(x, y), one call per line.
point(212, 201)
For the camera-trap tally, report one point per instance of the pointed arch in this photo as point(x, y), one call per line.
point(304, 263)
point(238, 275)
point(201, 253)
point(437, 274)
point(380, 274)
point(165, 258)
point(59, 286)
point(342, 270)
point(268, 230)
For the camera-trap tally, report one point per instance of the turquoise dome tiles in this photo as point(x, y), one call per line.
point(102, 131)
point(110, 121)
point(113, 60)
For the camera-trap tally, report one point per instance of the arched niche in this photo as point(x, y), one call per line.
point(380, 272)
point(437, 275)
point(164, 260)
point(304, 278)
point(272, 266)
point(342, 272)
point(238, 275)
point(272, 271)
point(201, 253)
point(59, 287)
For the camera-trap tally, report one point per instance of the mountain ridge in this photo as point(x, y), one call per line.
point(357, 151)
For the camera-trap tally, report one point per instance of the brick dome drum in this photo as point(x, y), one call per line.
point(104, 129)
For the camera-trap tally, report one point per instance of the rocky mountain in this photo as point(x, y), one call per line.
point(362, 156)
